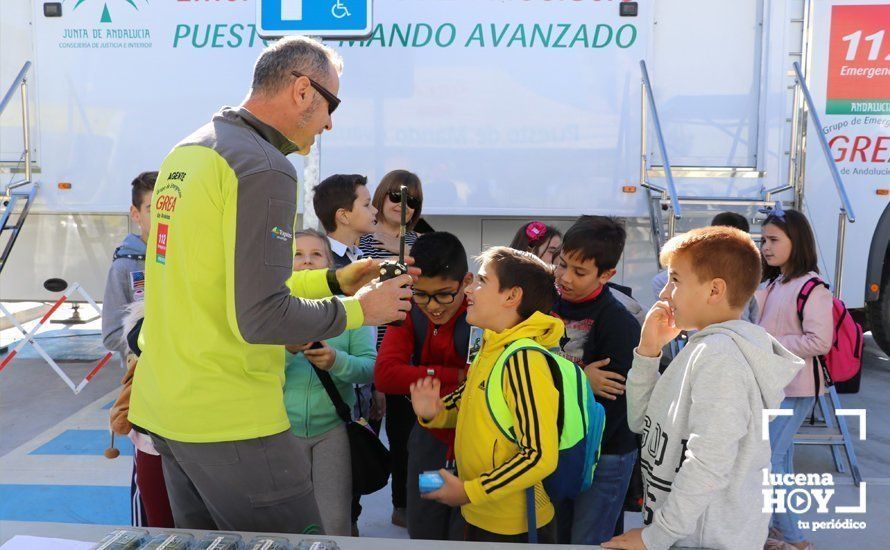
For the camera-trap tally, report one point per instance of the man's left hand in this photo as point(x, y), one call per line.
point(361, 272)
point(631, 540)
point(322, 357)
point(451, 492)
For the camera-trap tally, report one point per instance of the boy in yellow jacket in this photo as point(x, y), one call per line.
point(509, 298)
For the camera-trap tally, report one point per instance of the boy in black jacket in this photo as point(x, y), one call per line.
point(601, 336)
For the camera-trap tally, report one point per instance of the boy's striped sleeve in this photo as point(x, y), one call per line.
point(452, 400)
point(532, 397)
point(448, 417)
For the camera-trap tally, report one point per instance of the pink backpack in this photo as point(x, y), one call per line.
point(844, 359)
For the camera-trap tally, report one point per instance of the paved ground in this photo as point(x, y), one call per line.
point(52, 468)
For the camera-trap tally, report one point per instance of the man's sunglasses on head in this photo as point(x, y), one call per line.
point(333, 101)
point(412, 202)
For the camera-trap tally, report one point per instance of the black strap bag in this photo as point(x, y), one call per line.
point(370, 458)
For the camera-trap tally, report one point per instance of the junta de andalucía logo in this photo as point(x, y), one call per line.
point(106, 13)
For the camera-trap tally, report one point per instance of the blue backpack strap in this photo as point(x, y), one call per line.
point(531, 517)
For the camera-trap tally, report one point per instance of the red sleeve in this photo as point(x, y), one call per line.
point(394, 372)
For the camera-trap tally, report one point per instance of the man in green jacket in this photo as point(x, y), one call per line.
point(222, 302)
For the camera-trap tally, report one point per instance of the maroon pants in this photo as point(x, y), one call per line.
point(152, 490)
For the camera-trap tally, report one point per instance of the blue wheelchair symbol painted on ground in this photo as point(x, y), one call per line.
point(326, 18)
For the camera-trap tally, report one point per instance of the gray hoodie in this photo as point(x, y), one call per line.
point(125, 285)
point(703, 450)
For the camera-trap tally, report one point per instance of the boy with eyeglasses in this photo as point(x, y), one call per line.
point(431, 342)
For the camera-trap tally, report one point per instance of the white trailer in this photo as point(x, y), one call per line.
point(507, 109)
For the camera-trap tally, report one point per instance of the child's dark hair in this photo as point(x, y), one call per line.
point(440, 254)
point(597, 238)
point(731, 219)
point(533, 237)
point(334, 193)
point(143, 184)
point(392, 182)
point(803, 257)
point(518, 268)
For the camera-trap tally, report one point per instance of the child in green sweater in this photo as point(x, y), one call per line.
point(349, 359)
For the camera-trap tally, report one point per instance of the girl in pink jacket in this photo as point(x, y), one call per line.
point(789, 261)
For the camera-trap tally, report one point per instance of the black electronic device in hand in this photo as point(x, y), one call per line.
point(316, 345)
point(391, 270)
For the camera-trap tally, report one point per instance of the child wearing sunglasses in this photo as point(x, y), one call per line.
point(384, 243)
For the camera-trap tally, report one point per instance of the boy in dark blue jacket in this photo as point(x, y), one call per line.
point(601, 335)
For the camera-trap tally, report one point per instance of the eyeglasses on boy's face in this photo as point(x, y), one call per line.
point(442, 298)
point(333, 101)
point(412, 201)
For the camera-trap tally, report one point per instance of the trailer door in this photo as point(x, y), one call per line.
point(16, 43)
point(706, 76)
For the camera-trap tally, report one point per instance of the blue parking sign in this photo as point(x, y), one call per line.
point(324, 18)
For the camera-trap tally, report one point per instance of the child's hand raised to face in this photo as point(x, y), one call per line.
point(425, 398)
point(451, 492)
point(658, 329)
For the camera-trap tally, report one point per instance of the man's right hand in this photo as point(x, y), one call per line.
point(425, 398)
point(387, 301)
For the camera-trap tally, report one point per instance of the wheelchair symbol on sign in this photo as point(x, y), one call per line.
point(339, 11)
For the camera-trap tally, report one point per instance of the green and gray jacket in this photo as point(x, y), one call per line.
point(309, 408)
point(220, 290)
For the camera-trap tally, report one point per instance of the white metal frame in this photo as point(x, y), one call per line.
point(29, 337)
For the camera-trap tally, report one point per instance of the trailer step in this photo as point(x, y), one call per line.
point(16, 206)
point(833, 433)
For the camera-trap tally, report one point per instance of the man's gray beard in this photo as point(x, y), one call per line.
point(304, 118)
